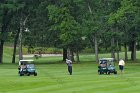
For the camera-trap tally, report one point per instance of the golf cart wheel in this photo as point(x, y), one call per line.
point(35, 74)
point(115, 72)
point(99, 72)
point(20, 74)
point(28, 74)
point(108, 72)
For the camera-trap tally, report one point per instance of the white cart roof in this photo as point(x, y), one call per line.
point(26, 60)
point(107, 59)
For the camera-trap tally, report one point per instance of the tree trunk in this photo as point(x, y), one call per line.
point(95, 38)
point(1, 51)
point(4, 28)
point(96, 48)
point(118, 51)
point(64, 54)
point(126, 56)
point(68, 54)
point(72, 55)
point(133, 50)
point(20, 44)
point(138, 46)
point(15, 45)
point(77, 55)
point(112, 47)
point(22, 26)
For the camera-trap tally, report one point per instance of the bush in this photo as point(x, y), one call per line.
point(40, 50)
point(87, 50)
point(54, 51)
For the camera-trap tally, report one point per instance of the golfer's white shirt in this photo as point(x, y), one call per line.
point(121, 62)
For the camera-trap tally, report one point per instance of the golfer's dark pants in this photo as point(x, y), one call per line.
point(121, 67)
point(70, 69)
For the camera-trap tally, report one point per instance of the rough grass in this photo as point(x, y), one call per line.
point(54, 78)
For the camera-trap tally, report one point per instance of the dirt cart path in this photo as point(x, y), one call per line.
point(43, 55)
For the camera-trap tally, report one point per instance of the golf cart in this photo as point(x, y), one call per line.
point(106, 66)
point(26, 67)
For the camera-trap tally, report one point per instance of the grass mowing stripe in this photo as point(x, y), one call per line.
point(81, 86)
point(64, 88)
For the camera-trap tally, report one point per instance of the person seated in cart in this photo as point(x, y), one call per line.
point(22, 66)
point(103, 63)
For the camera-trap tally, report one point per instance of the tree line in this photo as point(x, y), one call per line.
point(72, 25)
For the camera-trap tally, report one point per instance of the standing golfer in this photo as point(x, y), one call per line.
point(121, 65)
point(69, 63)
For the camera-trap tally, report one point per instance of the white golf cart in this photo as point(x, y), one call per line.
point(26, 67)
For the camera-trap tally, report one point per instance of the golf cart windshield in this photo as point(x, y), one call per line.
point(30, 66)
point(110, 63)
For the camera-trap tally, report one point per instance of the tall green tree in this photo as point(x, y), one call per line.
point(6, 10)
point(126, 16)
point(65, 23)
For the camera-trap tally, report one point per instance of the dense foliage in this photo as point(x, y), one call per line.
point(72, 25)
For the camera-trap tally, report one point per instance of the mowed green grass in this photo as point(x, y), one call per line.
point(54, 78)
